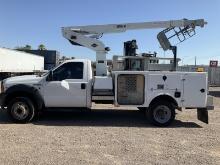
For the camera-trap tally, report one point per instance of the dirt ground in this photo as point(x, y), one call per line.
point(107, 136)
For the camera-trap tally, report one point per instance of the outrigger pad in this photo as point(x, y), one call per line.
point(202, 115)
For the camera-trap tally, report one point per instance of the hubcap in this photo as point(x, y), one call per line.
point(162, 114)
point(20, 110)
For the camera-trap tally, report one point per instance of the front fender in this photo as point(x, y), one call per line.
point(22, 89)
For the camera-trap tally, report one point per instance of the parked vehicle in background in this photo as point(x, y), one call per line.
point(14, 63)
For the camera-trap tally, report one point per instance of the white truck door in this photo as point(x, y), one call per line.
point(195, 90)
point(68, 87)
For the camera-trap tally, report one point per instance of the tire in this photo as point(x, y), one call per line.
point(21, 109)
point(161, 114)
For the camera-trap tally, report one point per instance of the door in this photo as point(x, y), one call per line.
point(67, 87)
point(195, 90)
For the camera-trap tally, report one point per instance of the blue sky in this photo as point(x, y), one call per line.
point(39, 21)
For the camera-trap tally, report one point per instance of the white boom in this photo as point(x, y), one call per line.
point(88, 36)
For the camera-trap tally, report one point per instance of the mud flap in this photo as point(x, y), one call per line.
point(202, 115)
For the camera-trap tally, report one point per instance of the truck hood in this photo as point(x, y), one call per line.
point(27, 79)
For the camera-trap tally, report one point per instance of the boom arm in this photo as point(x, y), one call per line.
point(88, 36)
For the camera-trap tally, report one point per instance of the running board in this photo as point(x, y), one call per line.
point(100, 98)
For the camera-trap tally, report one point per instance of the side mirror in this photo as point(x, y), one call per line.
point(50, 76)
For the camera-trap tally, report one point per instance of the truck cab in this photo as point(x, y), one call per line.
point(67, 85)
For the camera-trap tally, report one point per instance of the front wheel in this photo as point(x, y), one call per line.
point(161, 114)
point(21, 109)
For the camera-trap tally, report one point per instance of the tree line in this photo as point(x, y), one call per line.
point(29, 47)
point(41, 47)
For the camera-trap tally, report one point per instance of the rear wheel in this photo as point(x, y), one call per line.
point(21, 109)
point(161, 114)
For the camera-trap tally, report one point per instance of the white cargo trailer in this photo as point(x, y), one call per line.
point(13, 61)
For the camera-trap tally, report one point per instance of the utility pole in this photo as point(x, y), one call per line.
point(195, 60)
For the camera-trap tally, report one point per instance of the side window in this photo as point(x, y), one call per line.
point(71, 70)
point(76, 69)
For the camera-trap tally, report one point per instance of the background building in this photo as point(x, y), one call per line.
point(51, 57)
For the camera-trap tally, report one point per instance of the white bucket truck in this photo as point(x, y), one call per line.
point(72, 84)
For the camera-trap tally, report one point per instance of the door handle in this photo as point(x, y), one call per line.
point(83, 86)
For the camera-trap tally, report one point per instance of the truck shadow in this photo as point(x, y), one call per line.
point(101, 118)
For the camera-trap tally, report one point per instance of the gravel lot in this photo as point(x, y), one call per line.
point(107, 136)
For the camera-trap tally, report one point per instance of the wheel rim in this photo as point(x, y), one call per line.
point(162, 114)
point(20, 110)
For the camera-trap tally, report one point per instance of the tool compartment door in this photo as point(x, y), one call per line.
point(164, 81)
point(195, 90)
point(130, 89)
